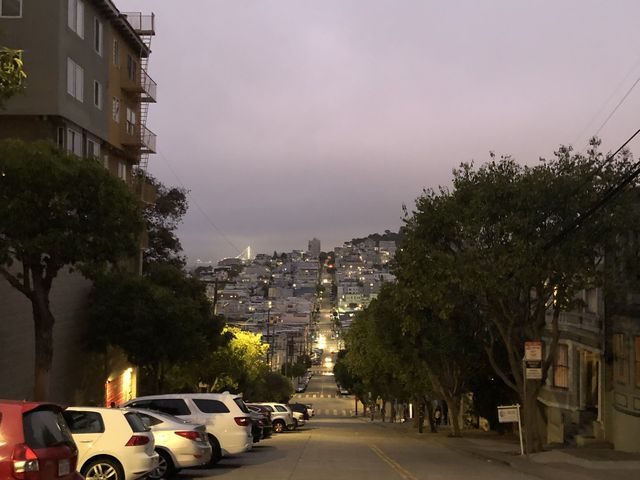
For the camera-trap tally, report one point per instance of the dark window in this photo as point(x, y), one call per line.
point(46, 428)
point(132, 68)
point(280, 408)
point(210, 406)
point(135, 422)
point(84, 422)
point(241, 404)
point(140, 404)
point(10, 8)
point(152, 420)
point(172, 406)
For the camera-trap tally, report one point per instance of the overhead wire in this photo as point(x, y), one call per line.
point(195, 202)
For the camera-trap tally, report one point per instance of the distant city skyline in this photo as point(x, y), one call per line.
point(294, 119)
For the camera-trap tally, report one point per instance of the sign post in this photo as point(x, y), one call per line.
point(533, 360)
point(511, 414)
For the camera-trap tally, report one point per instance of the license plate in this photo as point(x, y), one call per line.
point(64, 467)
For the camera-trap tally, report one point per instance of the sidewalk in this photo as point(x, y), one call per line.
point(556, 464)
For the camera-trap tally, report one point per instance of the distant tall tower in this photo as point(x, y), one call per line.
point(314, 248)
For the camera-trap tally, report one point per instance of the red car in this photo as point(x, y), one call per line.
point(36, 443)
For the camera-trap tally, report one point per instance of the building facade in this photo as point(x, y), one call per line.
point(88, 92)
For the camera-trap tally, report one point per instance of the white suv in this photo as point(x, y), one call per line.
point(112, 443)
point(224, 415)
point(281, 416)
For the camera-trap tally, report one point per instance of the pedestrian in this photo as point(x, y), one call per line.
point(438, 415)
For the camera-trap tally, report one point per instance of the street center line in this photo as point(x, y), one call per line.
point(392, 463)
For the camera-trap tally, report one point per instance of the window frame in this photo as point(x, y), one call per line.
point(561, 367)
point(75, 16)
point(131, 121)
point(620, 359)
point(96, 148)
point(115, 109)
point(98, 36)
point(76, 141)
point(97, 95)
point(636, 342)
point(11, 16)
point(75, 80)
point(116, 53)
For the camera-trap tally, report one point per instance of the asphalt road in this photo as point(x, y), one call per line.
point(334, 445)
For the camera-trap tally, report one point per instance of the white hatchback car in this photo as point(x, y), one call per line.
point(225, 416)
point(113, 443)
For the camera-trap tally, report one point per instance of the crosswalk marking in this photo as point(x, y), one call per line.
point(329, 412)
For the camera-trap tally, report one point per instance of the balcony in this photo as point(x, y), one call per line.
point(136, 80)
point(139, 138)
point(142, 24)
point(148, 141)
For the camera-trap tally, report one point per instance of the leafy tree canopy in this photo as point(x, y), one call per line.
point(12, 74)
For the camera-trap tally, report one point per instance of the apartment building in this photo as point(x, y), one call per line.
point(87, 91)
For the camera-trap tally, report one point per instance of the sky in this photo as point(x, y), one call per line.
point(293, 119)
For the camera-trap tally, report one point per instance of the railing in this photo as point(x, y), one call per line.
point(149, 87)
point(148, 139)
point(142, 24)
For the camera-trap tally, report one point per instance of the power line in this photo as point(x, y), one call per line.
point(617, 106)
point(608, 196)
point(204, 214)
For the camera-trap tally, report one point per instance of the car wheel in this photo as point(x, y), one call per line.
point(102, 469)
point(279, 426)
point(165, 466)
point(216, 451)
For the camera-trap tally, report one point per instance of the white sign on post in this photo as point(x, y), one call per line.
point(511, 414)
point(532, 360)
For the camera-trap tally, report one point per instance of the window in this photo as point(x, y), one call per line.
point(75, 80)
point(116, 53)
point(131, 121)
point(11, 8)
point(45, 429)
point(561, 367)
point(122, 174)
point(210, 406)
point(105, 161)
point(151, 421)
point(84, 422)
point(135, 422)
point(97, 36)
point(619, 358)
point(173, 406)
point(74, 142)
point(75, 16)
point(637, 363)
point(97, 94)
point(93, 149)
point(115, 109)
point(280, 408)
point(132, 68)
point(60, 139)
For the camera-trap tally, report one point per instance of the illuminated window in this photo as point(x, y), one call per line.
point(561, 367)
point(619, 358)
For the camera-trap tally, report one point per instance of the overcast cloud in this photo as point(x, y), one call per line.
point(295, 119)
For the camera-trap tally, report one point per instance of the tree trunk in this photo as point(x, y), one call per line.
point(454, 415)
point(433, 428)
point(43, 323)
point(533, 424)
point(393, 412)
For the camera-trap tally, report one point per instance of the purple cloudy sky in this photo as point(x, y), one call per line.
point(289, 119)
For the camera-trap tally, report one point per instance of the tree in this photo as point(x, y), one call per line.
point(505, 236)
point(12, 74)
point(58, 211)
point(163, 218)
point(160, 321)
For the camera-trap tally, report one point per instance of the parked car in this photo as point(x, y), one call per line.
point(298, 420)
point(281, 416)
point(225, 416)
point(301, 408)
point(180, 444)
point(310, 410)
point(264, 415)
point(113, 443)
point(35, 442)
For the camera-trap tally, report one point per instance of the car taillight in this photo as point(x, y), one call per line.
point(191, 435)
point(137, 440)
point(242, 421)
point(25, 460)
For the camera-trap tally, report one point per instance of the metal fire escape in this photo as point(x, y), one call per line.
point(144, 26)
